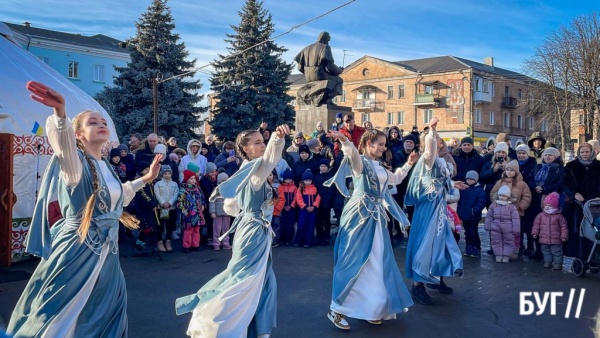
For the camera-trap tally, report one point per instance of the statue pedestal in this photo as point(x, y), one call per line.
point(308, 116)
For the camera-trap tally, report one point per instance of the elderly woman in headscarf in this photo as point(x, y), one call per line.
point(581, 183)
point(319, 129)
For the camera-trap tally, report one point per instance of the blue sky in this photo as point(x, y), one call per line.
point(392, 30)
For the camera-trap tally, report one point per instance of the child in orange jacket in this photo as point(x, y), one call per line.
point(287, 198)
point(308, 200)
point(276, 220)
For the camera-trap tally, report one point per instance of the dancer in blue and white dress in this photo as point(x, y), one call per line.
point(78, 288)
point(241, 301)
point(367, 283)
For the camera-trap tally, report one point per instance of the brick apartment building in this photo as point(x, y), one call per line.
point(469, 98)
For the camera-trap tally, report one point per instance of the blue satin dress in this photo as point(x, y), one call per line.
point(432, 251)
point(363, 223)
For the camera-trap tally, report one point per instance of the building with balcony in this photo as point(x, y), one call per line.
point(470, 98)
point(87, 61)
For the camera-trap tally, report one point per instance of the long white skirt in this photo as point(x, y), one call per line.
point(63, 324)
point(229, 314)
point(368, 298)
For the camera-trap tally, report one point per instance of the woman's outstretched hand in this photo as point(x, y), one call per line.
point(413, 158)
point(154, 169)
point(47, 96)
point(433, 123)
point(282, 130)
point(338, 135)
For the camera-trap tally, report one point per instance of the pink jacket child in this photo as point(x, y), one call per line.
point(503, 222)
point(550, 225)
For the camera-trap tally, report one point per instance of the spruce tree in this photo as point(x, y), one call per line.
point(155, 49)
point(251, 87)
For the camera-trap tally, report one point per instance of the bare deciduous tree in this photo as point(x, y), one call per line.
point(567, 67)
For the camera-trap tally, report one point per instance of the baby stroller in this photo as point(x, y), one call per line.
point(589, 230)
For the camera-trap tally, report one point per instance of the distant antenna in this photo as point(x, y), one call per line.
point(344, 59)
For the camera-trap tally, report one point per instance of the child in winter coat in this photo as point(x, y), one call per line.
point(454, 222)
point(117, 165)
point(327, 195)
point(191, 202)
point(308, 200)
point(208, 182)
point(287, 194)
point(276, 220)
point(551, 227)
point(145, 209)
point(166, 191)
point(470, 206)
point(221, 220)
point(503, 222)
point(521, 195)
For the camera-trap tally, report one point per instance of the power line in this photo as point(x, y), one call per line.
point(260, 43)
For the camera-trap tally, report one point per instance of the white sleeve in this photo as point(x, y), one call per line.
point(173, 199)
point(269, 161)
point(129, 190)
point(62, 139)
point(158, 193)
point(351, 152)
point(430, 153)
point(399, 175)
point(231, 206)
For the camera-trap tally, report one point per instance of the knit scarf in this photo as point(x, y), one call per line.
point(589, 161)
point(542, 175)
point(503, 202)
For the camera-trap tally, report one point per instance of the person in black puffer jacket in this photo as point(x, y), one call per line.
point(305, 162)
point(327, 198)
point(466, 159)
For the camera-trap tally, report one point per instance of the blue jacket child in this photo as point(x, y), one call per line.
point(470, 206)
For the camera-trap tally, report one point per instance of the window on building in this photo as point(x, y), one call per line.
point(99, 73)
point(365, 117)
point(476, 85)
point(390, 118)
point(427, 115)
point(335, 99)
point(519, 122)
point(44, 59)
point(73, 70)
point(580, 117)
point(485, 86)
point(492, 118)
point(400, 118)
point(428, 89)
point(477, 115)
point(390, 92)
point(400, 91)
point(507, 119)
point(493, 89)
point(520, 94)
point(293, 103)
point(343, 97)
point(544, 125)
point(531, 123)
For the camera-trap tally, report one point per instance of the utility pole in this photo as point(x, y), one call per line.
point(344, 58)
point(155, 103)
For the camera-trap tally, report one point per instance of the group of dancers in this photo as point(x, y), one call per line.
point(78, 289)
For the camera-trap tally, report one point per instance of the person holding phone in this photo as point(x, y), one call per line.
point(491, 172)
point(228, 159)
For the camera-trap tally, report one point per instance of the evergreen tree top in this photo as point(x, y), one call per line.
point(251, 87)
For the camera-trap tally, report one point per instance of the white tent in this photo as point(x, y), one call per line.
point(19, 113)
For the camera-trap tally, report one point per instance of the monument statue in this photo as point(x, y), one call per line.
point(322, 75)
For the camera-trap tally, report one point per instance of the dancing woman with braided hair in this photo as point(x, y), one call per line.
point(367, 283)
point(242, 300)
point(78, 288)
